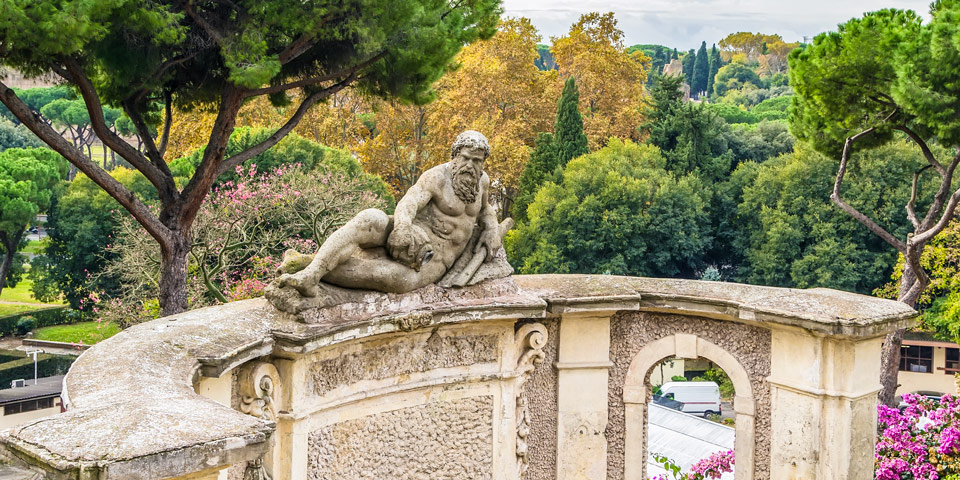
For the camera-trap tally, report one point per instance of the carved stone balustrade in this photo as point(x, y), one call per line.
point(548, 381)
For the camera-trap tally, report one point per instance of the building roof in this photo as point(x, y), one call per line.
point(45, 387)
point(685, 439)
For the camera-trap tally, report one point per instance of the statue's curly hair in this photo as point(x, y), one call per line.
point(470, 139)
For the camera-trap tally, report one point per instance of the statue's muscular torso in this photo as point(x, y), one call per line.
point(446, 218)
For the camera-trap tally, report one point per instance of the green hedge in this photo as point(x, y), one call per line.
point(46, 317)
point(47, 366)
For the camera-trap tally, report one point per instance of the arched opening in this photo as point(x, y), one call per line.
point(637, 400)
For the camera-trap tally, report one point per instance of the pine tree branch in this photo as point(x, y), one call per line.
point(45, 132)
point(853, 212)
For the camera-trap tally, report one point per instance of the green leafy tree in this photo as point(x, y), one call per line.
point(701, 71)
point(145, 56)
point(16, 136)
point(715, 63)
point(27, 180)
point(553, 151)
point(616, 211)
point(541, 168)
point(689, 61)
point(792, 236)
point(545, 60)
point(568, 129)
point(885, 74)
point(734, 77)
point(690, 136)
point(759, 142)
point(80, 225)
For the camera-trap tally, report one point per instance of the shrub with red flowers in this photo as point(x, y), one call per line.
point(920, 441)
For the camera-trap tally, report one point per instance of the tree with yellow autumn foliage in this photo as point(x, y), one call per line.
point(398, 150)
point(609, 78)
point(499, 91)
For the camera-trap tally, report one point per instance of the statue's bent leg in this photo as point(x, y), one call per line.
point(367, 229)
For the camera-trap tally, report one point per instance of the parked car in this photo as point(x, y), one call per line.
point(699, 398)
point(668, 402)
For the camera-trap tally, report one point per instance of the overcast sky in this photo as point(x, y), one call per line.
point(683, 24)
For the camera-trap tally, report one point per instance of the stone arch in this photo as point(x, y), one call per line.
point(635, 400)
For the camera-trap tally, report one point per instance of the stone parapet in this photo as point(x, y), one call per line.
point(244, 385)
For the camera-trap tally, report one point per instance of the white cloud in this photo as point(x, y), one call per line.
point(684, 24)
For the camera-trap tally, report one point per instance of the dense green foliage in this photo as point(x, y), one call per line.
point(701, 70)
point(715, 63)
point(27, 181)
point(244, 42)
point(689, 136)
point(16, 136)
point(80, 226)
point(553, 151)
point(734, 77)
point(544, 60)
point(689, 61)
point(791, 235)
point(616, 211)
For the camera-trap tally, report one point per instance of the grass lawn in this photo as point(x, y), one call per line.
point(6, 309)
point(21, 293)
point(86, 332)
point(34, 246)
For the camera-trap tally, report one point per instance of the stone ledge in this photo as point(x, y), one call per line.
point(822, 310)
point(133, 412)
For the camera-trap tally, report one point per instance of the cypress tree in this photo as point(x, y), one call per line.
point(568, 129)
point(701, 70)
point(715, 63)
point(688, 62)
point(539, 170)
point(552, 152)
point(675, 55)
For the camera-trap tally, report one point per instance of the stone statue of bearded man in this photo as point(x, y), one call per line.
point(425, 241)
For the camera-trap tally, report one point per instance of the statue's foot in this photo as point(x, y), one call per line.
point(302, 282)
point(293, 262)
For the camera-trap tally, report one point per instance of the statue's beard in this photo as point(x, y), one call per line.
point(466, 183)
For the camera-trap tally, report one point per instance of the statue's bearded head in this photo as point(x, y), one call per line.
point(467, 155)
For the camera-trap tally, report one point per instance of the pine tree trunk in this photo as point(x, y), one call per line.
point(10, 245)
point(890, 354)
point(173, 275)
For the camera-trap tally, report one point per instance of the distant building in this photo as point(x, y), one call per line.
point(29, 402)
point(675, 67)
point(928, 365)
point(15, 79)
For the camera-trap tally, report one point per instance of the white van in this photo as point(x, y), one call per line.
point(701, 398)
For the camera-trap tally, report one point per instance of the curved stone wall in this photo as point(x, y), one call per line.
point(492, 382)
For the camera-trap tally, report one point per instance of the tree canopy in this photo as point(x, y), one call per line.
point(616, 211)
point(27, 180)
point(144, 57)
point(877, 78)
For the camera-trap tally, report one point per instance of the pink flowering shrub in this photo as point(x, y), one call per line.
point(711, 467)
point(239, 236)
point(922, 442)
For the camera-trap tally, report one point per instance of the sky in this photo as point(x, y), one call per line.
point(683, 24)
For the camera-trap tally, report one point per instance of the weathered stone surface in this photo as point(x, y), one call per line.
point(439, 440)
point(444, 229)
point(819, 309)
point(750, 345)
point(541, 393)
point(134, 412)
point(402, 356)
